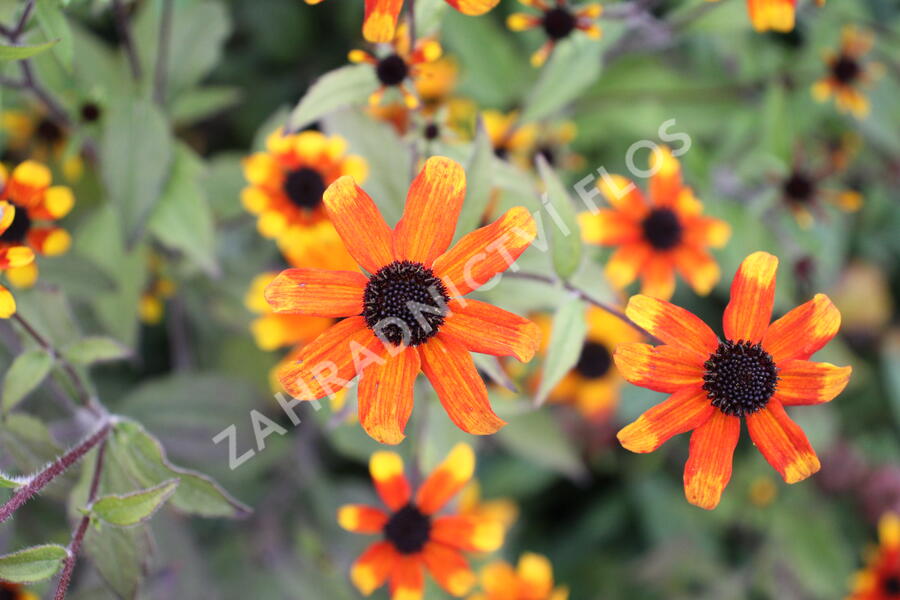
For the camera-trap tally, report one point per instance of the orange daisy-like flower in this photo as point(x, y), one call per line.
point(848, 73)
point(415, 538)
point(658, 237)
point(532, 579)
point(37, 205)
point(288, 179)
point(7, 302)
point(757, 370)
point(394, 69)
point(881, 578)
point(409, 313)
point(559, 21)
point(802, 192)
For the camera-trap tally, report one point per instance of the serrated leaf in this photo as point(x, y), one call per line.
point(575, 65)
point(565, 237)
point(95, 349)
point(346, 86)
point(131, 509)
point(32, 564)
point(27, 372)
point(566, 341)
point(23, 52)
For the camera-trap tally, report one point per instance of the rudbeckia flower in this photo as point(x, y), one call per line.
point(659, 236)
point(881, 578)
point(849, 73)
point(14, 591)
point(414, 536)
point(409, 313)
point(558, 20)
point(31, 231)
point(402, 63)
point(435, 81)
point(532, 579)
point(380, 21)
point(510, 139)
point(802, 192)
point(757, 370)
point(271, 330)
point(500, 510)
point(288, 179)
point(159, 288)
point(33, 134)
point(7, 302)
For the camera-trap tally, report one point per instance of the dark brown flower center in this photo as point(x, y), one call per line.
point(408, 530)
point(18, 229)
point(90, 112)
point(891, 585)
point(304, 187)
point(9, 591)
point(431, 131)
point(740, 378)
point(594, 361)
point(405, 302)
point(558, 22)
point(662, 229)
point(799, 187)
point(392, 70)
point(48, 131)
point(846, 69)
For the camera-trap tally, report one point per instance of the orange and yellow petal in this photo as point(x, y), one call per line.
point(748, 312)
point(28, 182)
point(802, 382)
point(658, 276)
point(50, 241)
point(24, 276)
point(522, 21)
point(708, 468)
point(473, 7)
point(782, 442)
point(772, 15)
point(665, 183)
point(468, 533)
point(359, 223)
point(386, 396)
point(7, 214)
point(449, 568)
point(380, 21)
point(623, 195)
point(683, 411)
point(372, 569)
point(360, 518)
point(535, 574)
point(673, 325)
point(698, 268)
point(626, 262)
point(432, 208)
point(447, 479)
point(706, 231)
point(484, 328)
point(273, 331)
point(889, 531)
point(317, 292)
point(609, 228)
point(386, 469)
point(7, 303)
point(662, 368)
point(480, 255)
point(499, 579)
point(408, 578)
point(56, 203)
point(803, 331)
point(13, 257)
point(461, 390)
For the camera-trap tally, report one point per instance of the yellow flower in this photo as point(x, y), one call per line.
point(848, 74)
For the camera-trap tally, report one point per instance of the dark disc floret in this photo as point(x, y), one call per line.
point(662, 228)
point(431, 131)
point(392, 70)
point(594, 361)
point(799, 187)
point(891, 586)
point(559, 22)
point(18, 229)
point(90, 112)
point(740, 378)
point(304, 187)
point(48, 131)
point(846, 69)
point(405, 293)
point(408, 530)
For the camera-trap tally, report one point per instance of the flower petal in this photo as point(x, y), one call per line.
point(658, 276)
point(484, 328)
point(708, 468)
point(535, 574)
point(665, 184)
point(623, 195)
point(661, 368)
point(49, 241)
point(673, 325)
point(386, 396)
point(803, 331)
point(329, 362)
point(748, 313)
point(626, 262)
point(360, 518)
point(449, 568)
point(386, 469)
point(408, 579)
point(432, 209)
point(471, 534)
point(15, 256)
point(683, 411)
point(483, 253)
point(317, 292)
point(372, 569)
point(447, 479)
point(782, 442)
point(473, 7)
point(609, 227)
point(698, 268)
point(803, 382)
point(380, 21)
point(359, 223)
point(450, 368)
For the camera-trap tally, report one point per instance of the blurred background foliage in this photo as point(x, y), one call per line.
point(158, 200)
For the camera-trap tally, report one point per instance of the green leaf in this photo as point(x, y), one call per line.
point(566, 340)
point(479, 182)
point(565, 237)
point(136, 153)
point(94, 349)
point(575, 64)
point(132, 509)
point(32, 564)
point(182, 220)
point(53, 23)
point(199, 32)
point(28, 370)
point(555, 451)
point(28, 442)
point(346, 86)
point(201, 103)
point(23, 52)
point(144, 458)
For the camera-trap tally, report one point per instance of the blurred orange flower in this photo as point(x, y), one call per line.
point(848, 73)
point(14, 591)
point(881, 578)
point(532, 579)
point(558, 20)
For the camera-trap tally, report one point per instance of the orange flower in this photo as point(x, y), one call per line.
point(34, 134)
point(848, 73)
point(14, 591)
point(881, 578)
point(531, 580)
point(754, 373)
point(415, 538)
point(658, 237)
point(558, 22)
point(37, 204)
point(802, 192)
point(288, 179)
point(159, 288)
point(409, 313)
